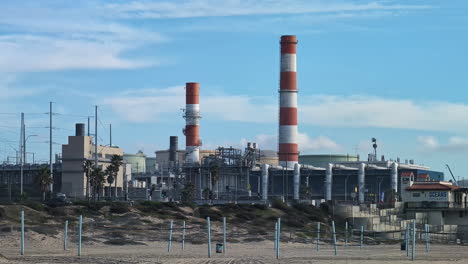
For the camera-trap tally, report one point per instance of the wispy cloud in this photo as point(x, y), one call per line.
point(216, 8)
point(306, 143)
point(57, 37)
point(454, 144)
point(320, 110)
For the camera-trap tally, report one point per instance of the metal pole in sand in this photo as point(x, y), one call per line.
point(169, 241)
point(362, 237)
point(318, 236)
point(224, 235)
point(334, 237)
point(209, 236)
point(278, 239)
point(22, 233)
point(425, 236)
point(346, 234)
point(428, 239)
point(183, 236)
point(80, 227)
point(413, 241)
point(407, 239)
point(65, 235)
point(276, 235)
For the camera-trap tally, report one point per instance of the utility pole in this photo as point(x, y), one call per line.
point(51, 187)
point(21, 152)
point(110, 135)
point(95, 137)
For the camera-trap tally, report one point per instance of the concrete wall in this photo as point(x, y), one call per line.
point(74, 154)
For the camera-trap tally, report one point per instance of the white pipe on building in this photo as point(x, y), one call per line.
point(265, 182)
point(394, 177)
point(296, 180)
point(310, 167)
point(328, 182)
point(361, 181)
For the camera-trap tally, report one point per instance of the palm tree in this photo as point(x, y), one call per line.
point(116, 162)
point(45, 180)
point(214, 172)
point(110, 177)
point(98, 178)
point(87, 167)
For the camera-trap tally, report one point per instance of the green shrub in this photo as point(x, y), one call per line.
point(246, 216)
point(204, 212)
point(34, 205)
point(119, 208)
point(279, 204)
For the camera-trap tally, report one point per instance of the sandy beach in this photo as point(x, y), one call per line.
point(50, 250)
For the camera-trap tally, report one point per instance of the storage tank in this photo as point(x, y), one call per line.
point(322, 160)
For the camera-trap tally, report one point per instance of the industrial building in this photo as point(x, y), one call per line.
point(80, 148)
point(10, 180)
point(228, 173)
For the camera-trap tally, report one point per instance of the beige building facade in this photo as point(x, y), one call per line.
point(79, 149)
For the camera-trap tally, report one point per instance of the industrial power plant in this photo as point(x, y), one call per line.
point(228, 174)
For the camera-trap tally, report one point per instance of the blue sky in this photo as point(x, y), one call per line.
point(394, 70)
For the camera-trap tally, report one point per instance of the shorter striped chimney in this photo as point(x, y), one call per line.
point(192, 123)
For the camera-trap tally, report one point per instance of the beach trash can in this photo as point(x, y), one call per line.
point(219, 248)
point(403, 246)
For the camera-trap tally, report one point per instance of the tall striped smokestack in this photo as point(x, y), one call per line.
point(192, 122)
point(288, 149)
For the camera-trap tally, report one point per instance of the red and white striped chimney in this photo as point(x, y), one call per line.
point(192, 122)
point(288, 148)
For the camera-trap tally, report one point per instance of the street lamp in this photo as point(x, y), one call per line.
point(22, 159)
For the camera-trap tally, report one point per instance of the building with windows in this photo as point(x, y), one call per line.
point(439, 203)
point(80, 148)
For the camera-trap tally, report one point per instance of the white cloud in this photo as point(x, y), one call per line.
point(326, 111)
point(54, 37)
point(306, 143)
point(368, 111)
point(213, 8)
point(321, 143)
point(454, 144)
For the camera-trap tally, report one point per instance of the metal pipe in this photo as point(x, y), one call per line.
point(334, 237)
point(328, 182)
point(169, 241)
point(265, 182)
point(183, 236)
point(80, 227)
point(297, 181)
point(22, 232)
point(361, 181)
point(394, 177)
point(224, 235)
point(65, 235)
point(209, 236)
